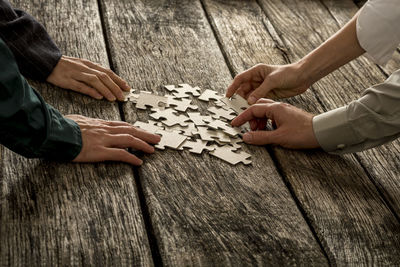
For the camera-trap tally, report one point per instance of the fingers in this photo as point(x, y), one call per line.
point(115, 78)
point(261, 137)
point(265, 100)
point(115, 154)
point(137, 132)
point(129, 141)
point(260, 92)
point(237, 81)
point(95, 82)
point(85, 89)
point(110, 84)
point(256, 111)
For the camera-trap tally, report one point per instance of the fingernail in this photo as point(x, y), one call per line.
point(248, 137)
point(99, 97)
point(252, 100)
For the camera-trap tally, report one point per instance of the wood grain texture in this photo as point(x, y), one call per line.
point(70, 214)
point(343, 206)
point(382, 163)
point(203, 211)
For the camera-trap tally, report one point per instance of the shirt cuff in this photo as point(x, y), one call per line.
point(378, 30)
point(64, 138)
point(333, 131)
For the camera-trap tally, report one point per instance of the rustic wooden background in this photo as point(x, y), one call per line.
point(289, 208)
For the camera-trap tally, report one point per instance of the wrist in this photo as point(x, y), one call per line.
point(305, 73)
point(308, 70)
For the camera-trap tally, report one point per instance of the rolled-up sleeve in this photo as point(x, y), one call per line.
point(370, 121)
point(28, 125)
point(378, 29)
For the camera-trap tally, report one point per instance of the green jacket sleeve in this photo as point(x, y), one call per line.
point(28, 125)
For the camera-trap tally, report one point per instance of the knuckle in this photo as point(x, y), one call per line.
point(93, 78)
point(109, 72)
point(102, 75)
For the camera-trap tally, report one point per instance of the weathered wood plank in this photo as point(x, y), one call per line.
point(203, 211)
point(382, 163)
point(70, 214)
point(346, 211)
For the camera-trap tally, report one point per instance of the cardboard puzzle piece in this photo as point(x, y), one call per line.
point(170, 139)
point(147, 99)
point(150, 126)
point(183, 90)
point(211, 135)
point(180, 104)
point(130, 96)
point(228, 154)
point(197, 146)
point(229, 130)
point(222, 113)
point(208, 94)
point(185, 130)
point(236, 103)
point(233, 142)
point(219, 103)
point(169, 116)
point(198, 119)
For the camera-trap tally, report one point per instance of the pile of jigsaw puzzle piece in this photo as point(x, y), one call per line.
point(182, 126)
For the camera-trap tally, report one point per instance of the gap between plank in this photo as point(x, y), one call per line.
point(269, 149)
point(154, 246)
point(220, 45)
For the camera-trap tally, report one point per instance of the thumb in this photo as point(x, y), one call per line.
point(260, 92)
point(260, 137)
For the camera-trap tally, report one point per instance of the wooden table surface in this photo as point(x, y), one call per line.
point(288, 208)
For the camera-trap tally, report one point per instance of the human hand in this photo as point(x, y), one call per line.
point(269, 81)
point(293, 126)
point(107, 140)
point(88, 78)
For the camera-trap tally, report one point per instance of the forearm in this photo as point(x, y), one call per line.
point(33, 49)
point(28, 125)
point(338, 50)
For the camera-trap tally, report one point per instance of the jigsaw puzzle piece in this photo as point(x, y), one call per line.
point(150, 126)
point(185, 130)
point(208, 94)
point(130, 96)
point(228, 154)
point(170, 139)
point(229, 130)
point(169, 116)
point(236, 103)
point(183, 90)
point(147, 99)
point(197, 146)
point(180, 104)
point(222, 113)
point(211, 135)
point(198, 119)
point(233, 142)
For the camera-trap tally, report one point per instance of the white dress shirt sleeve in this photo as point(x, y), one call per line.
point(370, 121)
point(378, 29)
